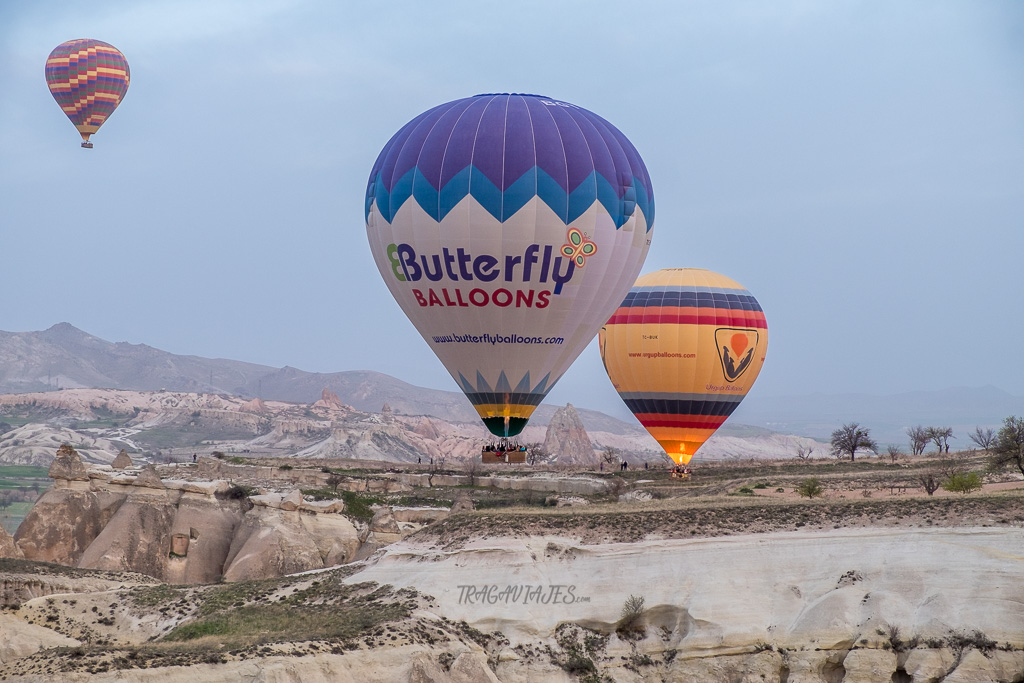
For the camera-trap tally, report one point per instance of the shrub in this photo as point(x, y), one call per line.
point(286, 468)
point(963, 482)
point(810, 488)
point(237, 492)
point(747, 491)
point(629, 620)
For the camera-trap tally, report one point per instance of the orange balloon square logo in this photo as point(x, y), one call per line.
point(736, 349)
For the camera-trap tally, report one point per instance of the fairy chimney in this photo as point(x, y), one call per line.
point(122, 461)
point(567, 439)
point(68, 465)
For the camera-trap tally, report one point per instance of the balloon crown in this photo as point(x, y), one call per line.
point(511, 94)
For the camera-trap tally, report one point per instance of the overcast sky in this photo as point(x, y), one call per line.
point(858, 166)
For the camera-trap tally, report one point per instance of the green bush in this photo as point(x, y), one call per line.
point(963, 482)
point(630, 619)
point(810, 487)
point(747, 491)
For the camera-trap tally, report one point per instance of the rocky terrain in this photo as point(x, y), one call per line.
point(197, 524)
point(554, 576)
point(64, 357)
point(161, 426)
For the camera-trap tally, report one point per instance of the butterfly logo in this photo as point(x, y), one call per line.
point(579, 247)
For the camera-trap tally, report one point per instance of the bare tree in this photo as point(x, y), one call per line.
point(535, 451)
point(918, 439)
point(894, 453)
point(804, 452)
point(472, 468)
point(433, 469)
point(610, 455)
point(850, 438)
point(985, 438)
point(940, 436)
point(334, 481)
point(1008, 448)
point(928, 482)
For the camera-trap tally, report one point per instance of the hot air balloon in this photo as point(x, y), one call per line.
point(683, 350)
point(88, 78)
point(508, 227)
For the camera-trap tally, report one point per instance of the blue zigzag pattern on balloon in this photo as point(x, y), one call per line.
point(503, 205)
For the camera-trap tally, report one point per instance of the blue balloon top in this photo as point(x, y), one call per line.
point(505, 149)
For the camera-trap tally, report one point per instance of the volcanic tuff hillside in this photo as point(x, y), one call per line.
point(65, 357)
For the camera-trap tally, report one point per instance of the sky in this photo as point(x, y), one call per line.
point(857, 165)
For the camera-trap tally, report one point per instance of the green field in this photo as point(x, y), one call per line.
point(22, 472)
point(25, 482)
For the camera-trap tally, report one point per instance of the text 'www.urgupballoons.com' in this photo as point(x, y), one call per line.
point(494, 339)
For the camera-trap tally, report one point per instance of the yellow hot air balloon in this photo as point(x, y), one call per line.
point(682, 350)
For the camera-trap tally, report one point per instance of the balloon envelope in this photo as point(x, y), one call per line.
point(508, 228)
point(88, 78)
point(682, 350)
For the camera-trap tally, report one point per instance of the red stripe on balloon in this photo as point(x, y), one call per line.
point(681, 421)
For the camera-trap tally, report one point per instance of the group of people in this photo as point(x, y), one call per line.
point(504, 446)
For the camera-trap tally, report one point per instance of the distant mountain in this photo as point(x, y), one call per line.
point(64, 356)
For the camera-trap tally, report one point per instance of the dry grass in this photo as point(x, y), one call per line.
point(727, 515)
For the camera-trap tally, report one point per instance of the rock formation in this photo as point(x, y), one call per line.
point(330, 400)
point(148, 478)
point(427, 430)
point(64, 521)
point(7, 545)
point(186, 532)
point(67, 465)
point(814, 607)
point(256, 405)
point(387, 414)
point(122, 461)
point(567, 440)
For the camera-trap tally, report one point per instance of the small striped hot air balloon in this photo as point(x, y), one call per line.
point(682, 350)
point(88, 78)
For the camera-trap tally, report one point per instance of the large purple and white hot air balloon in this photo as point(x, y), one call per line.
point(508, 228)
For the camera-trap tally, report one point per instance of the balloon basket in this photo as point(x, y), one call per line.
point(681, 472)
point(87, 145)
point(504, 452)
